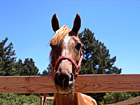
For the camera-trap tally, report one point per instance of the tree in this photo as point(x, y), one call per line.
point(21, 69)
point(96, 56)
point(96, 59)
point(49, 70)
point(7, 59)
point(9, 66)
point(29, 67)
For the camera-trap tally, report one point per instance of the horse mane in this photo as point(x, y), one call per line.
point(59, 36)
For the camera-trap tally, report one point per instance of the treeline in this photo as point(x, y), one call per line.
point(9, 66)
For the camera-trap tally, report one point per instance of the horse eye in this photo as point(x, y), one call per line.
point(78, 46)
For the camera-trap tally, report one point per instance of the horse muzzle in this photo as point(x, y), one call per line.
point(64, 83)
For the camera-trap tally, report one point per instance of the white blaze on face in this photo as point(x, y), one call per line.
point(66, 41)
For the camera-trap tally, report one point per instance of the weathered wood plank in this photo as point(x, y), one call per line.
point(84, 84)
point(108, 83)
point(29, 84)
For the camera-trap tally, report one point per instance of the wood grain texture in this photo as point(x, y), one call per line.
point(108, 83)
point(29, 84)
point(84, 84)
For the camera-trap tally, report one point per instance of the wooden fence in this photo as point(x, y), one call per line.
point(84, 84)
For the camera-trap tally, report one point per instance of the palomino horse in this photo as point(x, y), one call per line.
point(66, 56)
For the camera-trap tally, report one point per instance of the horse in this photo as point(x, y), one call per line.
point(66, 57)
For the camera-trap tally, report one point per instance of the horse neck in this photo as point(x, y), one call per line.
point(70, 99)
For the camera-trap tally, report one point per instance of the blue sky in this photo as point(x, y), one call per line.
point(116, 23)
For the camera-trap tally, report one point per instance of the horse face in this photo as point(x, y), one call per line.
point(69, 47)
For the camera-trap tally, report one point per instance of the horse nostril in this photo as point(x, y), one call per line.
point(62, 80)
point(71, 79)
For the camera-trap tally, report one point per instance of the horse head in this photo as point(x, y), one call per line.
point(66, 55)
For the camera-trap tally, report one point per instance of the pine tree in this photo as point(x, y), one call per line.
point(7, 59)
point(96, 56)
point(29, 67)
point(9, 66)
point(46, 72)
point(20, 68)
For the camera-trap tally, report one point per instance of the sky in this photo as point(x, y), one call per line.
point(116, 23)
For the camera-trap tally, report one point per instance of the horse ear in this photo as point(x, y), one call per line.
point(77, 24)
point(55, 23)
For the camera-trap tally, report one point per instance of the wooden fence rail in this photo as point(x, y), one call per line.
point(84, 84)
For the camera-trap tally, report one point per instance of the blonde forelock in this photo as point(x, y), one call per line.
point(59, 36)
